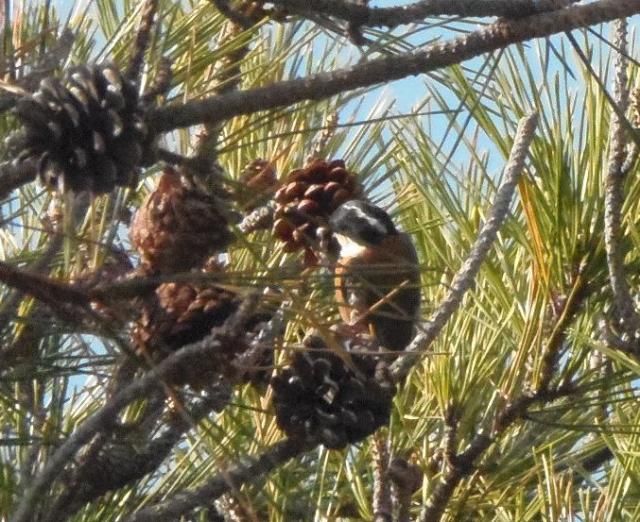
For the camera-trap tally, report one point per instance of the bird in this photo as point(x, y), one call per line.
point(376, 275)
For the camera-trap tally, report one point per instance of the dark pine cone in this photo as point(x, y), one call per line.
point(86, 130)
point(307, 199)
point(178, 227)
point(318, 397)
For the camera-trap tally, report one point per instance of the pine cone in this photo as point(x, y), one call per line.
point(307, 199)
point(184, 313)
point(257, 181)
point(181, 314)
point(318, 397)
point(178, 227)
point(86, 130)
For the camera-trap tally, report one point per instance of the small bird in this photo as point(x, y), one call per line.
point(377, 278)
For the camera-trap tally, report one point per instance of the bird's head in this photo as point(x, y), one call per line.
point(358, 225)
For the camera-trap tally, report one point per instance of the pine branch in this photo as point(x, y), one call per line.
point(436, 56)
point(102, 420)
point(466, 275)
point(463, 464)
point(360, 15)
point(225, 481)
point(614, 192)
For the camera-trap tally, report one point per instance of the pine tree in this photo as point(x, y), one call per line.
point(170, 344)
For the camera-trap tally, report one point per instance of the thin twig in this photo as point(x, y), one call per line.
point(223, 482)
point(614, 192)
point(228, 73)
point(147, 13)
point(487, 235)
point(436, 56)
point(382, 506)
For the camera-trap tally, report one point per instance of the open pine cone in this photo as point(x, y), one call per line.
point(318, 397)
point(307, 199)
point(182, 313)
point(178, 227)
point(86, 130)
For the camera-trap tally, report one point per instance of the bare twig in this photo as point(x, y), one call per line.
point(359, 14)
point(14, 175)
point(102, 419)
point(489, 231)
point(614, 195)
point(123, 460)
point(324, 85)
point(381, 490)
point(41, 287)
point(227, 74)
point(223, 482)
point(147, 13)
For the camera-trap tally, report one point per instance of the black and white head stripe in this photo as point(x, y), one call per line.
point(362, 221)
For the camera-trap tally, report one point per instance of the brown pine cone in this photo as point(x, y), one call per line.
point(178, 227)
point(257, 182)
point(178, 314)
point(307, 199)
point(182, 313)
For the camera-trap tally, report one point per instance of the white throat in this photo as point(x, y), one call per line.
point(349, 247)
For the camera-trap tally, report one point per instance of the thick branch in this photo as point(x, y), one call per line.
point(362, 15)
point(487, 235)
point(316, 87)
point(614, 193)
